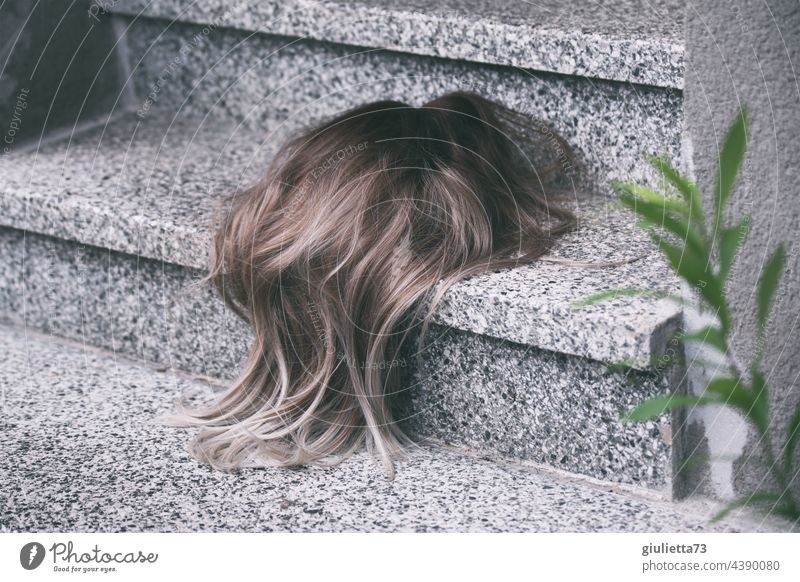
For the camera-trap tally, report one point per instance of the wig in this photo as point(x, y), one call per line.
point(340, 255)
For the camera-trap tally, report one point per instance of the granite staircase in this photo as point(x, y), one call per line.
point(104, 227)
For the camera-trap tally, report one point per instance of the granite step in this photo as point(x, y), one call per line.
point(106, 232)
point(632, 41)
point(81, 450)
point(152, 188)
point(252, 78)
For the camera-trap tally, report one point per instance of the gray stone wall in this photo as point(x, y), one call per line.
point(748, 51)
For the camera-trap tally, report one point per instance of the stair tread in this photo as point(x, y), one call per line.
point(151, 187)
point(632, 41)
point(80, 430)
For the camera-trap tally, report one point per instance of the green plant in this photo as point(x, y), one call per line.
point(702, 251)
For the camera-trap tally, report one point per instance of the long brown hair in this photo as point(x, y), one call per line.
point(356, 232)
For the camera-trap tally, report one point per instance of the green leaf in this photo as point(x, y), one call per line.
point(711, 335)
point(657, 216)
point(730, 160)
point(687, 188)
point(734, 392)
point(655, 407)
point(760, 410)
point(757, 498)
point(628, 292)
point(791, 440)
point(696, 271)
point(767, 285)
point(643, 193)
point(787, 510)
point(693, 268)
point(683, 261)
point(732, 238)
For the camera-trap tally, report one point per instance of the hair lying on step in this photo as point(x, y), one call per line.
point(339, 256)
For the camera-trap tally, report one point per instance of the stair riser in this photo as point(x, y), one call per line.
point(471, 390)
point(645, 46)
point(148, 310)
point(527, 403)
point(250, 77)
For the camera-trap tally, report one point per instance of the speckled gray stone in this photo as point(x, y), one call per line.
point(634, 41)
point(145, 187)
point(473, 390)
point(525, 403)
point(81, 450)
point(149, 188)
point(255, 78)
point(536, 305)
point(154, 312)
